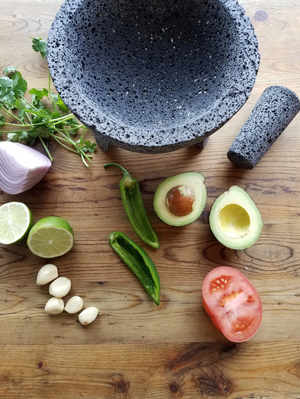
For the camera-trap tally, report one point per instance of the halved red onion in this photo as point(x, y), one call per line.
point(21, 167)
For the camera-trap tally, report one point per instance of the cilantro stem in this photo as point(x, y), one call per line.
point(46, 149)
point(11, 114)
point(84, 161)
point(29, 118)
point(58, 139)
point(79, 150)
point(14, 131)
point(49, 83)
point(13, 124)
point(28, 102)
point(62, 119)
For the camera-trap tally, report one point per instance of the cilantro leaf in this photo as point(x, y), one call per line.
point(2, 120)
point(42, 113)
point(61, 105)
point(22, 105)
point(7, 95)
point(19, 85)
point(55, 115)
point(39, 94)
point(36, 102)
point(5, 83)
point(59, 102)
point(14, 137)
point(39, 131)
point(74, 125)
point(86, 145)
point(22, 135)
point(39, 45)
point(8, 71)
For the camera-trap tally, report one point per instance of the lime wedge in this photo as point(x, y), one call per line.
point(15, 222)
point(50, 237)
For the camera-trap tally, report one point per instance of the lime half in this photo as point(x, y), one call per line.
point(50, 237)
point(15, 222)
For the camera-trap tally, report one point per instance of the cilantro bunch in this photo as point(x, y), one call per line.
point(32, 120)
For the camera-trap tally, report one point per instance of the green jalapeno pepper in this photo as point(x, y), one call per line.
point(138, 261)
point(134, 207)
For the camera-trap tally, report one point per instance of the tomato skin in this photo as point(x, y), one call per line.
point(232, 303)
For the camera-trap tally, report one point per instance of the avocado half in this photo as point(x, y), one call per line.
point(179, 200)
point(235, 220)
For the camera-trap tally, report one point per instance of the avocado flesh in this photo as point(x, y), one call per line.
point(235, 220)
point(192, 179)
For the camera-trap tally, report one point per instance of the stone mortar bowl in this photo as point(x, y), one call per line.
point(153, 75)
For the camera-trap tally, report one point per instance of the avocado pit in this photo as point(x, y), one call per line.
point(180, 200)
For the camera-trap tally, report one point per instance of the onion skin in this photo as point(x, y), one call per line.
point(21, 167)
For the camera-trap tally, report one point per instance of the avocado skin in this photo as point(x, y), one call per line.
point(238, 198)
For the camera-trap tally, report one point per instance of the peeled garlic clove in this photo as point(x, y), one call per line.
point(46, 274)
point(88, 315)
point(60, 287)
point(54, 306)
point(74, 304)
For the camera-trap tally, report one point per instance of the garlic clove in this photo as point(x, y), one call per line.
point(60, 287)
point(46, 274)
point(74, 305)
point(54, 306)
point(88, 315)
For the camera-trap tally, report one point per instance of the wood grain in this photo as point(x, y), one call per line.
point(134, 349)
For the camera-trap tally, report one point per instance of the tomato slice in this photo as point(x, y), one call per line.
point(232, 303)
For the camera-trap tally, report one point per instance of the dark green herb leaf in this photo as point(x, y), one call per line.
point(2, 120)
point(39, 94)
point(55, 115)
point(86, 145)
point(36, 102)
point(59, 102)
point(7, 96)
point(9, 71)
point(39, 45)
point(6, 83)
point(22, 105)
point(61, 105)
point(40, 131)
point(42, 113)
point(14, 137)
point(53, 97)
point(23, 136)
point(19, 84)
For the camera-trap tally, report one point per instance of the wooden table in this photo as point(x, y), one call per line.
point(135, 349)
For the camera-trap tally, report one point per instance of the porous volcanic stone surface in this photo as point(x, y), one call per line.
point(274, 111)
point(150, 75)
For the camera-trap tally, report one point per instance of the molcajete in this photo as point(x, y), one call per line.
point(150, 75)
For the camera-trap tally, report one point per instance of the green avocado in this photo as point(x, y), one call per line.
point(235, 220)
point(179, 200)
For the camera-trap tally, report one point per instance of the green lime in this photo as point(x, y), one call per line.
point(15, 222)
point(50, 237)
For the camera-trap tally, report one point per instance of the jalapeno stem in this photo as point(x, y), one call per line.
point(134, 207)
point(125, 173)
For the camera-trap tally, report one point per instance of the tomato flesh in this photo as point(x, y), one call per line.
point(232, 303)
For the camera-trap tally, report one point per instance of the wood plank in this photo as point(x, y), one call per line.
point(219, 370)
